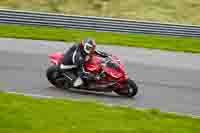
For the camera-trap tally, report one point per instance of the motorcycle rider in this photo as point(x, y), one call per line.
point(77, 55)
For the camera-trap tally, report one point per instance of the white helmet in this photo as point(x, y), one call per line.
point(88, 45)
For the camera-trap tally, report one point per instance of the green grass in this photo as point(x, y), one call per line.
point(176, 11)
point(187, 44)
point(22, 114)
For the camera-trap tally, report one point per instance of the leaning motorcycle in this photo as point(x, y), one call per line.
point(114, 77)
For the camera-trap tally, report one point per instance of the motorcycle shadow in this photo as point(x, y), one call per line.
point(91, 93)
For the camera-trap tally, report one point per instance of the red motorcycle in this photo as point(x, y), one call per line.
point(114, 79)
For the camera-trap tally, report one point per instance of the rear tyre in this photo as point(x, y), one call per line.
point(54, 77)
point(130, 90)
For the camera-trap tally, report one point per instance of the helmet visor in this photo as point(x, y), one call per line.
point(88, 48)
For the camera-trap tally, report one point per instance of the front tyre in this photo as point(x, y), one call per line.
point(130, 90)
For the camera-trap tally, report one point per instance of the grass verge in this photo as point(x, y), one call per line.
point(186, 44)
point(23, 114)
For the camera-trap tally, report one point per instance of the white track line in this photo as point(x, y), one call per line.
point(32, 95)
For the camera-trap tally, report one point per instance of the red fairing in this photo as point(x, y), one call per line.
point(56, 57)
point(115, 73)
point(94, 65)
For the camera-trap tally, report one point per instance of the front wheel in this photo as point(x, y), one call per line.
point(130, 90)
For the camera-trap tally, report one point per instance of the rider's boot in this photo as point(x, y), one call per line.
point(78, 81)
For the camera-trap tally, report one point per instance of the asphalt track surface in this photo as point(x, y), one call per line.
point(167, 80)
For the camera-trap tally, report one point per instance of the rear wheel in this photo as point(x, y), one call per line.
point(54, 77)
point(130, 90)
